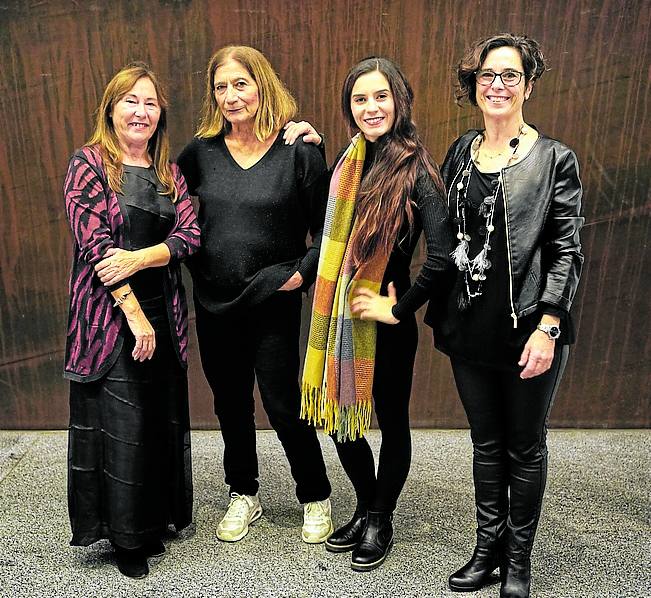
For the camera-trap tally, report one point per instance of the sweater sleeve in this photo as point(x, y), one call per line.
point(312, 175)
point(438, 238)
point(187, 162)
point(184, 238)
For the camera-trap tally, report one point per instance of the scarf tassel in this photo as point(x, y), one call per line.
point(348, 423)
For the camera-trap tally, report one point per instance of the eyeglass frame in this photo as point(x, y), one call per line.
point(495, 75)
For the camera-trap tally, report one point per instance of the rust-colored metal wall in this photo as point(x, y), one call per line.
point(57, 55)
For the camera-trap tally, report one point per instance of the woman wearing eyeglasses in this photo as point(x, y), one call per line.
point(515, 198)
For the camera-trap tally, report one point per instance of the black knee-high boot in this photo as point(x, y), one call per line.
point(528, 476)
point(491, 500)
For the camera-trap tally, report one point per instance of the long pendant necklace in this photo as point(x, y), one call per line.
point(474, 270)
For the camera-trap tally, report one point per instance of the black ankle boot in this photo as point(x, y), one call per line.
point(131, 562)
point(476, 573)
point(515, 573)
point(347, 537)
point(375, 543)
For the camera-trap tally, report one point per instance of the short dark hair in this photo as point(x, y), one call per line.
point(533, 62)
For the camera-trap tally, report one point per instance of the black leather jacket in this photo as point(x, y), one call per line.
point(542, 205)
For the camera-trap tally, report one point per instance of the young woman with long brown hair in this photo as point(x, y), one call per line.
point(385, 190)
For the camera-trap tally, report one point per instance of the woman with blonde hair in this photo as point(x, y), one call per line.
point(258, 196)
point(129, 473)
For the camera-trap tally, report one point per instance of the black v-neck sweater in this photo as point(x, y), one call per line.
point(254, 221)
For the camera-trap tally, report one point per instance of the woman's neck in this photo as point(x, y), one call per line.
point(499, 132)
point(135, 155)
point(243, 135)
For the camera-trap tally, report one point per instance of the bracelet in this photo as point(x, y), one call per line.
point(120, 300)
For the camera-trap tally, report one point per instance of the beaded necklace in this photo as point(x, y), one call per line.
point(474, 270)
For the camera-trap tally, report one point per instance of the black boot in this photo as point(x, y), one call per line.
point(347, 537)
point(476, 573)
point(375, 543)
point(491, 502)
point(131, 562)
point(515, 572)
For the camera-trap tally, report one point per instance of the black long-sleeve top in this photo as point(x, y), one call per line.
point(431, 218)
point(254, 221)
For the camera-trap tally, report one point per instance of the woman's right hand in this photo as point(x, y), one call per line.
point(144, 334)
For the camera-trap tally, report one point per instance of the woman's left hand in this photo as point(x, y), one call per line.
point(370, 305)
point(118, 264)
point(295, 282)
point(295, 130)
point(537, 355)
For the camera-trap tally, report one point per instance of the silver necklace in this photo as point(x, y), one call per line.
point(474, 270)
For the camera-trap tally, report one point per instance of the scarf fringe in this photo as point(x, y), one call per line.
point(348, 423)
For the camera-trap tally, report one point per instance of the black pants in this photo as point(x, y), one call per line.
point(508, 425)
point(260, 342)
point(129, 458)
point(394, 365)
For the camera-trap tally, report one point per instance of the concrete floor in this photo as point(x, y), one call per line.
point(593, 540)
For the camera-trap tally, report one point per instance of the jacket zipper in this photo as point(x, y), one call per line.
point(452, 186)
point(508, 251)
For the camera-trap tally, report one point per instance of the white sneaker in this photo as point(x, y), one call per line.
point(317, 521)
point(242, 510)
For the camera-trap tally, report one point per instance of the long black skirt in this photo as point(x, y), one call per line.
point(129, 459)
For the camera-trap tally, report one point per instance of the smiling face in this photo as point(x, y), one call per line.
point(497, 100)
point(135, 115)
point(372, 105)
point(236, 92)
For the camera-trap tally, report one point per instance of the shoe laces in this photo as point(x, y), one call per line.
point(239, 507)
point(315, 510)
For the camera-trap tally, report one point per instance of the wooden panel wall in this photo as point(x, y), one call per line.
point(57, 56)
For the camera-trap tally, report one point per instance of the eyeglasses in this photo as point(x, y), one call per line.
point(508, 78)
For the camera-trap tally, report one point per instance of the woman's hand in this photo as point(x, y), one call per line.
point(143, 332)
point(370, 305)
point(295, 282)
point(537, 355)
point(294, 130)
point(118, 264)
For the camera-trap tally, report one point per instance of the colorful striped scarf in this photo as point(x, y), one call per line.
point(340, 359)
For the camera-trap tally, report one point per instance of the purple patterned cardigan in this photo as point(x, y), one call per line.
point(97, 223)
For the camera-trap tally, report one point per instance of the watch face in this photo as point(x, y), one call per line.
point(554, 332)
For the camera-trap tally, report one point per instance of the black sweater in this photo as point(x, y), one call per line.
point(430, 218)
point(254, 221)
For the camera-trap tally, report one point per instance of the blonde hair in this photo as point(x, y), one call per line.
point(277, 106)
point(105, 137)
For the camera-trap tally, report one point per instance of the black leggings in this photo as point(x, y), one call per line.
point(394, 366)
point(508, 425)
point(260, 342)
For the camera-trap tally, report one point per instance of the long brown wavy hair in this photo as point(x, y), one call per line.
point(384, 198)
point(105, 137)
point(277, 106)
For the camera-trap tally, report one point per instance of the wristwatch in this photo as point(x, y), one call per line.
point(552, 331)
